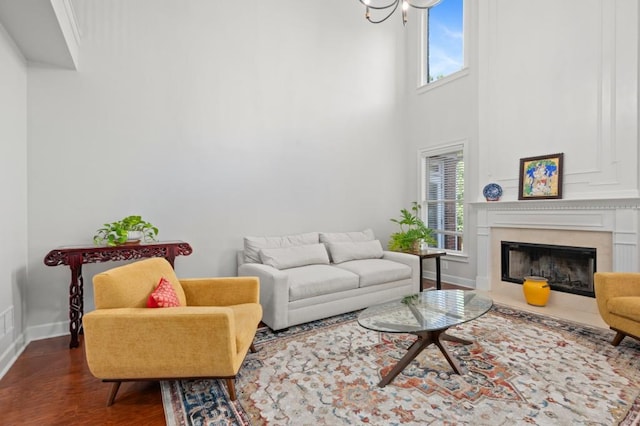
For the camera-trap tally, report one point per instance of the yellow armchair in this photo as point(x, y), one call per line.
point(208, 336)
point(618, 299)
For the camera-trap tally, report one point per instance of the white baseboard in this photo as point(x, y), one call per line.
point(9, 357)
point(450, 279)
point(46, 331)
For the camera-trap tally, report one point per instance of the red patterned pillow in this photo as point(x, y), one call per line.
point(164, 296)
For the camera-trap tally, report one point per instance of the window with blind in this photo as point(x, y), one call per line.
point(443, 195)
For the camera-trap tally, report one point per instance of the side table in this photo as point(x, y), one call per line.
point(76, 256)
point(430, 254)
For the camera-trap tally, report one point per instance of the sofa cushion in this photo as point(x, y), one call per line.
point(316, 280)
point(627, 307)
point(252, 245)
point(376, 271)
point(337, 237)
point(291, 257)
point(346, 251)
point(342, 237)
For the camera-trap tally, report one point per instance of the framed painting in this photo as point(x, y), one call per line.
point(541, 177)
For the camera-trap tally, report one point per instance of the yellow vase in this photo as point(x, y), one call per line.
point(536, 290)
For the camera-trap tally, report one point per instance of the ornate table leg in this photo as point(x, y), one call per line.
point(76, 303)
point(170, 255)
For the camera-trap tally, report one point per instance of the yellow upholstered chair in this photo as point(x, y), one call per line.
point(618, 298)
point(208, 336)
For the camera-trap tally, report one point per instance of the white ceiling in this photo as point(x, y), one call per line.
point(45, 31)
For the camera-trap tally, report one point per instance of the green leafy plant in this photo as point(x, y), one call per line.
point(412, 229)
point(116, 233)
point(410, 300)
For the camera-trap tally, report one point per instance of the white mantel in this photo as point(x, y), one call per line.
point(609, 225)
point(619, 217)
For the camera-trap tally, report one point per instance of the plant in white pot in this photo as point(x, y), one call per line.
point(131, 229)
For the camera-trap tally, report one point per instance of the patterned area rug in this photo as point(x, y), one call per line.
point(521, 369)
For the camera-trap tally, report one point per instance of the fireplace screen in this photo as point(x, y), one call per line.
point(568, 269)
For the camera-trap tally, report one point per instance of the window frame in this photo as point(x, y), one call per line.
point(423, 82)
point(459, 145)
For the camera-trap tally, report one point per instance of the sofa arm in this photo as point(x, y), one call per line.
point(410, 260)
point(129, 343)
point(223, 291)
point(274, 293)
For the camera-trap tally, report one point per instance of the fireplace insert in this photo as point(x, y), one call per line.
point(568, 269)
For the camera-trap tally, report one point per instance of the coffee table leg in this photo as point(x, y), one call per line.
point(450, 338)
point(452, 362)
point(425, 339)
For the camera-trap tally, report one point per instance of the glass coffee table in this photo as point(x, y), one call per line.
point(428, 315)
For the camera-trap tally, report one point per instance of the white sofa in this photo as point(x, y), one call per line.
point(316, 275)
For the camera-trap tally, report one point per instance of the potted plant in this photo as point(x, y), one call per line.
point(412, 232)
point(130, 229)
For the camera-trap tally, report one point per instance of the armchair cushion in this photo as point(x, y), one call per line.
point(164, 296)
point(221, 291)
point(626, 307)
point(114, 288)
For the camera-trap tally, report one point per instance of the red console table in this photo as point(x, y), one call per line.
point(76, 256)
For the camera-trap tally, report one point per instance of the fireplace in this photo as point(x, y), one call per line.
point(610, 226)
point(568, 269)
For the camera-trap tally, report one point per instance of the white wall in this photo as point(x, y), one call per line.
point(13, 184)
point(442, 113)
point(213, 120)
point(561, 77)
point(216, 120)
point(544, 77)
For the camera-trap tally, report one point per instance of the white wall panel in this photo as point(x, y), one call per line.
point(561, 77)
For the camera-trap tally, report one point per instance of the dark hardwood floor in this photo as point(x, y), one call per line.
point(51, 384)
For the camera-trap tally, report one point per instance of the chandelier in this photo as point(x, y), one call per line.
point(383, 9)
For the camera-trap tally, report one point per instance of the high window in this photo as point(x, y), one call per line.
point(442, 191)
point(442, 40)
